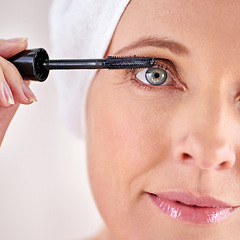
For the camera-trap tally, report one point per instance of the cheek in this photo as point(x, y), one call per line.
point(125, 141)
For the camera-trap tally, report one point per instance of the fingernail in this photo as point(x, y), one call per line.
point(28, 93)
point(17, 40)
point(8, 93)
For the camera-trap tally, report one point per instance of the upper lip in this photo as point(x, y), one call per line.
point(191, 200)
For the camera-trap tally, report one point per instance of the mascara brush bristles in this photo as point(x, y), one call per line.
point(129, 62)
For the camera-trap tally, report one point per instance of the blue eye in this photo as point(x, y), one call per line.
point(155, 76)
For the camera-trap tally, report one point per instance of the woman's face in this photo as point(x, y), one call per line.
point(164, 160)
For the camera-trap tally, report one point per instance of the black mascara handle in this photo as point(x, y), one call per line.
point(30, 64)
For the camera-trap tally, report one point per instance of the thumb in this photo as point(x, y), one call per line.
point(11, 47)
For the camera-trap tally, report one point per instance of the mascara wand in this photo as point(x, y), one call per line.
point(35, 64)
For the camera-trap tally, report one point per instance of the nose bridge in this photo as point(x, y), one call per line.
point(211, 100)
point(211, 117)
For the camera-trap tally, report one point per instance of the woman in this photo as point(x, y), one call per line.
point(163, 158)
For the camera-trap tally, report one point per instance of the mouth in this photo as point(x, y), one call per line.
point(188, 208)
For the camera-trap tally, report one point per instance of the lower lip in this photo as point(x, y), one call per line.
point(196, 215)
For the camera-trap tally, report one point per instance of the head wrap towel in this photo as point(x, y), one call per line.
point(80, 29)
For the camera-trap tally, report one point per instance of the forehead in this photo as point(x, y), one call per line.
point(216, 23)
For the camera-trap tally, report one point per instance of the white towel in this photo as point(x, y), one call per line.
point(80, 29)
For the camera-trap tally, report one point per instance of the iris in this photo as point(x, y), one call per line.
point(156, 76)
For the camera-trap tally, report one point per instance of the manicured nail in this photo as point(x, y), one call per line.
point(8, 93)
point(28, 93)
point(17, 40)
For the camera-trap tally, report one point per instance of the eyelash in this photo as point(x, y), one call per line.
point(165, 64)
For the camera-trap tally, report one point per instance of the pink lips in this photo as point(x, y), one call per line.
point(187, 207)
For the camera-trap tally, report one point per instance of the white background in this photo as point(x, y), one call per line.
point(44, 193)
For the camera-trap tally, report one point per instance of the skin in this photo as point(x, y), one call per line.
point(176, 137)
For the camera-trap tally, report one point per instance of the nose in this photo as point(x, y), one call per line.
point(206, 141)
point(205, 152)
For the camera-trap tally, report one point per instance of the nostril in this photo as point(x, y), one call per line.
point(224, 165)
point(186, 156)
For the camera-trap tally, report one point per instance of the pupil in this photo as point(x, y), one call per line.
point(156, 75)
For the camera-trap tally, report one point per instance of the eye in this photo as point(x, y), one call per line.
point(164, 73)
point(155, 76)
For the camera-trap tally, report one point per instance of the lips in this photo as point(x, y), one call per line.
point(186, 207)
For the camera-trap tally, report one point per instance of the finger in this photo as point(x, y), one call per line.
point(21, 92)
point(11, 47)
point(7, 110)
point(6, 97)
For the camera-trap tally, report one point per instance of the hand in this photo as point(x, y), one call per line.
point(13, 90)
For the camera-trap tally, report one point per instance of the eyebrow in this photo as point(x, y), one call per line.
point(173, 46)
